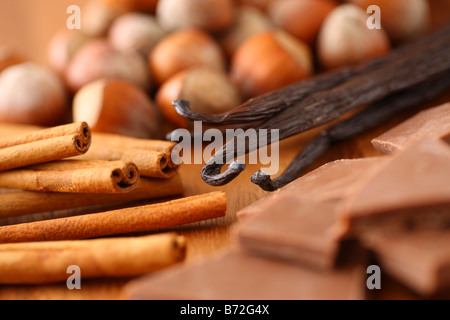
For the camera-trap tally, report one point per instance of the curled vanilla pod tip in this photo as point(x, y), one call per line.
point(303, 106)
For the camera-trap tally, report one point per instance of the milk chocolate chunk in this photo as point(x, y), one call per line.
point(332, 182)
point(420, 260)
point(412, 191)
point(292, 229)
point(236, 275)
point(432, 123)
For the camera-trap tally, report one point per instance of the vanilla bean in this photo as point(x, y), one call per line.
point(406, 70)
point(265, 106)
point(362, 121)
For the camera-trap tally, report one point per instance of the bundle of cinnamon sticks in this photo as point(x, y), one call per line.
point(68, 167)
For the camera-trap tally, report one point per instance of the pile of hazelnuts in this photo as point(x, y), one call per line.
point(132, 58)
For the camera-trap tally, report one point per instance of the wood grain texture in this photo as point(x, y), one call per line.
point(209, 237)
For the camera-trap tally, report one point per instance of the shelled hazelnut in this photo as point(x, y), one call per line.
point(98, 59)
point(403, 20)
point(9, 57)
point(63, 47)
point(117, 106)
point(301, 18)
point(32, 94)
point(183, 49)
point(249, 22)
point(269, 61)
point(135, 32)
point(208, 91)
point(211, 16)
point(344, 38)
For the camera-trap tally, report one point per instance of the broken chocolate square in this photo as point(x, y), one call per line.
point(412, 191)
point(237, 275)
point(432, 123)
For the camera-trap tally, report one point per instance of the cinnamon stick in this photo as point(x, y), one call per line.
point(133, 219)
point(39, 147)
point(28, 202)
point(47, 262)
point(151, 164)
point(76, 176)
point(15, 134)
point(152, 157)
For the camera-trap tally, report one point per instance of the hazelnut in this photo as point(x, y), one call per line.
point(132, 5)
point(63, 47)
point(8, 58)
point(403, 20)
point(211, 16)
point(269, 61)
point(117, 106)
point(344, 38)
point(97, 17)
point(184, 49)
point(32, 94)
point(249, 22)
point(260, 4)
point(301, 18)
point(98, 59)
point(135, 32)
point(208, 91)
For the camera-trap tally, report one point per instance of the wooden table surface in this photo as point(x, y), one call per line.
point(209, 237)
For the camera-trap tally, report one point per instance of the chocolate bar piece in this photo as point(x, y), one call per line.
point(420, 260)
point(236, 275)
point(331, 182)
point(291, 228)
point(412, 191)
point(433, 123)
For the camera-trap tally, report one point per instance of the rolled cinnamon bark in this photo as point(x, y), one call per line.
point(133, 219)
point(153, 157)
point(151, 164)
point(75, 176)
point(41, 151)
point(28, 202)
point(118, 141)
point(47, 262)
point(13, 135)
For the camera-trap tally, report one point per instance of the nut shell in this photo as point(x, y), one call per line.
point(116, 106)
point(403, 20)
point(208, 91)
point(98, 60)
point(345, 39)
point(184, 49)
point(269, 61)
point(301, 18)
point(211, 16)
point(32, 94)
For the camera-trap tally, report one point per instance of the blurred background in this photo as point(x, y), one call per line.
point(242, 49)
point(28, 25)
